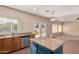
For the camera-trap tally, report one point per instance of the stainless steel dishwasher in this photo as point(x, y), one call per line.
point(25, 42)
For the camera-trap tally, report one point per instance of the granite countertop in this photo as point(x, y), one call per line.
point(50, 43)
point(12, 36)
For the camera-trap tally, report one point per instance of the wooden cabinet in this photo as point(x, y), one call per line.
point(1, 45)
point(7, 45)
point(10, 44)
point(16, 43)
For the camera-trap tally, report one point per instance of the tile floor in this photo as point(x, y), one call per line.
point(22, 51)
point(71, 47)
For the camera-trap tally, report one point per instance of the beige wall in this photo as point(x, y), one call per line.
point(71, 28)
point(26, 20)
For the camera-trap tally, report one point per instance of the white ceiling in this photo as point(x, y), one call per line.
point(62, 12)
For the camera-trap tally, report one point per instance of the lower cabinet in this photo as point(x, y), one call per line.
point(16, 43)
point(7, 45)
point(1, 45)
point(38, 49)
point(13, 43)
point(44, 50)
point(59, 50)
point(33, 48)
point(39, 52)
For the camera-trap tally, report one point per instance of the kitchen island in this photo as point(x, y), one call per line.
point(46, 46)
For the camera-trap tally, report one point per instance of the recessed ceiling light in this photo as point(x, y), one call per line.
point(34, 8)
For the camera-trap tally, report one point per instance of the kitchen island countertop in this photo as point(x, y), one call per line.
point(50, 43)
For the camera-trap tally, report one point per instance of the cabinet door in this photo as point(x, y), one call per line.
point(33, 48)
point(59, 50)
point(16, 43)
point(39, 52)
point(43, 50)
point(1, 45)
point(7, 45)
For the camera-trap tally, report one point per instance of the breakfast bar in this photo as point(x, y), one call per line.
point(46, 46)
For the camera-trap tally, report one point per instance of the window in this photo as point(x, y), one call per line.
point(56, 28)
point(59, 28)
point(8, 26)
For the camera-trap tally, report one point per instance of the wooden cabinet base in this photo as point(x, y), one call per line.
point(7, 45)
point(1, 45)
point(11, 44)
point(16, 43)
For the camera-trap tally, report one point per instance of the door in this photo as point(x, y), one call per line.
point(43, 30)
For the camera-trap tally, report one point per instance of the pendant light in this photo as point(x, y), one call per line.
point(52, 18)
point(52, 13)
point(77, 19)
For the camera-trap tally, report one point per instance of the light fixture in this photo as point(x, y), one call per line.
point(52, 18)
point(34, 8)
point(77, 19)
